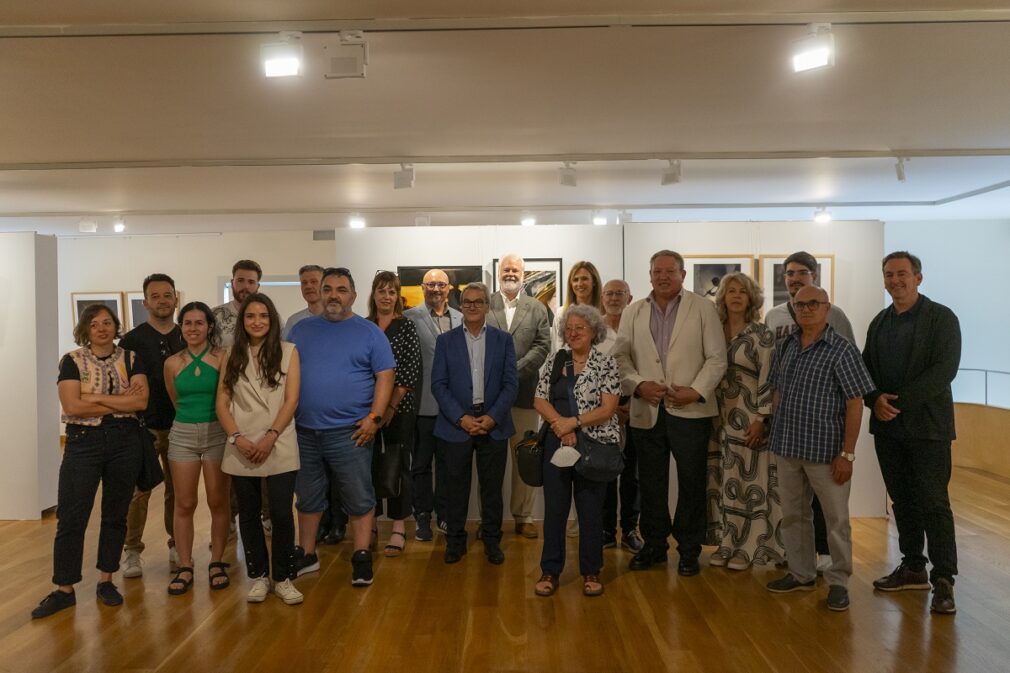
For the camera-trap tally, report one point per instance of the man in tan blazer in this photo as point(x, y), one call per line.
point(672, 355)
point(525, 318)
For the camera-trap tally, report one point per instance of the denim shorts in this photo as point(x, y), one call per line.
point(195, 442)
point(350, 468)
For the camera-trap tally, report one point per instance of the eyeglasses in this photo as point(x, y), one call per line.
point(802, 273)
point(435, 285)
point(475, 303)
point(811, 305)
point(614, 293)
point(576, 329)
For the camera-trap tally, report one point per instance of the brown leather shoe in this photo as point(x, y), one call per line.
point(526, 530)
point(546, 585)
point(591, 585)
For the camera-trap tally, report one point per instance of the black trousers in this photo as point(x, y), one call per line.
point(491, 457)
point(687, 439)
point(399, 432)
point(107, 454)
point(627, 486)
point(559, 485)
point(281, 490)
point(916, 473)
point(427, 452)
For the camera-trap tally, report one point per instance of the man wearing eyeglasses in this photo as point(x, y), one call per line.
point(475, 381)
point(913, 350)
point(154, 340)
point(799, 271)
point(819, 381)
point(432, 318)
point(525, 318)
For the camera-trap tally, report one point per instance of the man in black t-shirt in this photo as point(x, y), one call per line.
point(154, 341)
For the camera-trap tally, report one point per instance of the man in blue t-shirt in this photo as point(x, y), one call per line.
point(347, 379)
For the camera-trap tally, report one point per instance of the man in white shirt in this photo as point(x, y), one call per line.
point(245, 280)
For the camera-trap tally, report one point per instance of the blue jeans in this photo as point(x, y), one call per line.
point(350, 468)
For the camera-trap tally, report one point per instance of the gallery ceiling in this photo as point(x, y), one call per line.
point(97, 119)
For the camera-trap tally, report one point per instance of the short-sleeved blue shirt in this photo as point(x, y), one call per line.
point(814, 384)
point(339, 361)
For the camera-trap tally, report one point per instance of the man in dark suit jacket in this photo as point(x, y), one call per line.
point(913, 349)
point(525, 318)
point(474, 381)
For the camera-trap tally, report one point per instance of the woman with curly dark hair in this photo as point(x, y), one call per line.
point(196, 444)
point(256, 401)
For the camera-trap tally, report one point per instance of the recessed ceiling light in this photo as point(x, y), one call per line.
point(528, 220)
point(822, 216)
point(599, 219)
point(283, 58)
point(816, 50)
point(356, 221)
point(118, 225)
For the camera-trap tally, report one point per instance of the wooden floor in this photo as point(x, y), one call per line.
point(421, 615)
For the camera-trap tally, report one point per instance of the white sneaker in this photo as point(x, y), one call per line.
point(823, 563)
point(173, 560)
point(286, 592)
point(259, 590)
point(131, 565)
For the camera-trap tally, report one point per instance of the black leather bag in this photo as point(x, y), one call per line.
point(386, 465)
point(151, 473)
point(600, 461)
point(528, 452)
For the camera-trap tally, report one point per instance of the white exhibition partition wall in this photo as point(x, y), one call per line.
point(29, 409)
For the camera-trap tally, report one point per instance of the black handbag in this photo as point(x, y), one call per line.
point(600, 461)
point(386, 467)
point(150, 467)
point(528, 452)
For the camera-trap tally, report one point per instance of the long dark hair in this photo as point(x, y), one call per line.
point(382, 279)
point(268, 361)
point(213, 334)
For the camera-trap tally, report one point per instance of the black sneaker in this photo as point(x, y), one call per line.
point(305, 563)
point(609, 539)
point(943, 597)
point(902, 579)
point(361, 568)
point(632, 541)
point(108, 594)
point(53, 603)
point(789, 583)
point(838, 598)
point(422, 532)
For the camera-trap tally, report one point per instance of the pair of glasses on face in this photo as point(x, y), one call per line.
point(580, 329)
point(802, 273)
point(811, 305)
point(609, 294)
point(475, 303)
point(435, 285)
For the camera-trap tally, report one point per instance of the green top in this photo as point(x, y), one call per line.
point(196, 388)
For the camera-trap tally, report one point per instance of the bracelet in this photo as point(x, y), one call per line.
point(269, 430)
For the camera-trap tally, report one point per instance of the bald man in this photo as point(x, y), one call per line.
point(432, 318)
point(525, 319)
point(819, 380)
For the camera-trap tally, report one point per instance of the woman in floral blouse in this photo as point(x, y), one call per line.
point(584, 372)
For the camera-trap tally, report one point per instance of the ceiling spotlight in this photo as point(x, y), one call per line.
point(118, 225)
point(87, 226)
point(822, 216)
point(599, 219)
point(283, 58)
point(356, 221)
point(899, 169)
point(422, 220)
point(671, 174)
point(816, 50)
point(528, 220)
point(404, 178)
point(566, 174)
point(624, 217)
point(345, 54)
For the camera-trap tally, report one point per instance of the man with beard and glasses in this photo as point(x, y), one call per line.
point(348, 371)
point(245, 280)
point(525, 319)
point(430, 319)
point(154, 340)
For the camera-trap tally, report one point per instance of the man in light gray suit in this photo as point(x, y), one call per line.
point(431, 318)
point(525, 318)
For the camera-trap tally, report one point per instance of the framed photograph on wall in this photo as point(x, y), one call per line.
point(81, 300)
point(773, 281)
point(136, 312)
point(459, 276)
point(542, 280)
point(705, 272)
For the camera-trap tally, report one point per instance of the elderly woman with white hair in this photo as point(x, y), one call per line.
point(578, 392)
point(744, 509)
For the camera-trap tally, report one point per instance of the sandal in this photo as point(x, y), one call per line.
point(223, 567)
point(591, 585)
point(394, 549)
point(546, 585)
point(178, 586)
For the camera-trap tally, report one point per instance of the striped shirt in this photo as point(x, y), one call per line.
point(813, 384)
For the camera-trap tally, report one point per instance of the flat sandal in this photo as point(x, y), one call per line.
point(394, 549)
point(186, 584)
point(223, 567)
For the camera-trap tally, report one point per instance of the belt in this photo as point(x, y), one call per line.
point(477, 409)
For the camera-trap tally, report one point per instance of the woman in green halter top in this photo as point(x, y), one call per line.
point(196, 444)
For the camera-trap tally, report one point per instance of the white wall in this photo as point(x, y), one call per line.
point(857, 246)
point(30, 450)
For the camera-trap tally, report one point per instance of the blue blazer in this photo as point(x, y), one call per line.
point(453, 389)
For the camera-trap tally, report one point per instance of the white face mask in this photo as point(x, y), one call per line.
point(565, 456)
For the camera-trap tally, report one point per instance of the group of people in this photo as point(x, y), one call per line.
point(761, 419)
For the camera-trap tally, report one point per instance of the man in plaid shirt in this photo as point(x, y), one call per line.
point(819, 380)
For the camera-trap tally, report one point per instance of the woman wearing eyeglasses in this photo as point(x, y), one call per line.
point(744, 511)
point(583, 372)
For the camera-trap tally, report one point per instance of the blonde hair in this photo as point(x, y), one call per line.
point(754, 294)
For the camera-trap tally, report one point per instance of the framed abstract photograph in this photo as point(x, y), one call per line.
point(136, 312)
point(705, 272)
point(81, 300)
point(459, 276)
point(773, 280)
point(541, 280)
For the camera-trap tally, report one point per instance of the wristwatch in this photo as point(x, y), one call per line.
point(234, 437)
point(851, 457)
point(376, 418)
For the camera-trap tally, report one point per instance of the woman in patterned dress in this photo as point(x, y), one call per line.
point(744, 509)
